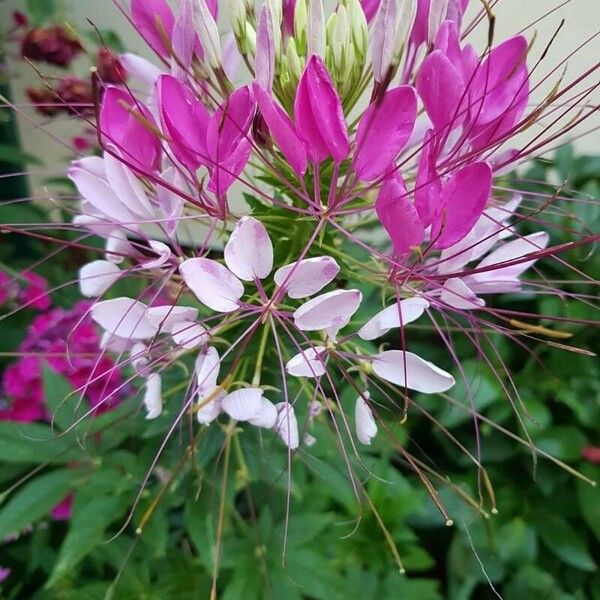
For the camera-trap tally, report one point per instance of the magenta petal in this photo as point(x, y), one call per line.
point(145, 15)
point(370, 8)
point(501, 82)
point(282, 129)
point(462, 202)
point(428, 186)
point(184, 120)
point(441, 88)
point(399, 217)
point(383, 131)
point(227, 171)
point(319, 116)
point(136, 143)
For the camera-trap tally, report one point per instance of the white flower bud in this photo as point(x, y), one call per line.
point(208, 33)
point(316, 28)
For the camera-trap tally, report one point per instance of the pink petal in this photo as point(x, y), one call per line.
point(249, 251)
point(287, 425)
point(227, 171)
point(366, 427)
point(164, 317)
point(441, 89)
point(409, 370)
point(124, 317)
point(407, 311)
point(370, 8)
point(319, 116)
point(212, 283)
point(399, 217)
point(307, 277)
point(383, 131)
point(458, 294)
point(283, 130)
point(97, 276)
point(153, 396)
point(428, 186)
point(462, 202)
point(184, 120)
point(145, 15)
point(500, 82)
point(310, 363)
point(120, 128)
point(330, 311)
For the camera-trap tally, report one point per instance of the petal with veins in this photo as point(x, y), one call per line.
point(366, 428)
point(458, 294)
point(153, 396)
point(164, 317)
point(407, 311)
point(330, 311)
point(188, 334)
point(310, 363)
point(249, 251)
point(307, 277)
point(124, 317)
point(97, 276)
point(212, 283)
point(244, 404)
point(409, 370)
point(287, 425)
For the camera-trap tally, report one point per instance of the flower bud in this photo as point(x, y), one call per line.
point(208, 33)
point(300, 24)
point(406, 20)
point(358, 28)
point(316, 28)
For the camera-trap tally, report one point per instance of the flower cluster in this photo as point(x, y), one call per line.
point(377, 116)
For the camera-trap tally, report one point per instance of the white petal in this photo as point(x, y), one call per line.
point(421, 375)
point(310, 363)
point(163, 254)
point(212, 283)
point(309, 276)
point(124, 317)
point(330, 311)
point(249, 251)
point(287, 425)
point(96, 277)
point(189, 334)
point(114, 343)
point(410, 309)
point(508, 252)
point(127, 187)
point(117, 244)
point(244, 404)
point(139, 356)
point(140, 68)
point(267, 415)
point(458, 294)
point(153, 396)
point(366, 428)
point(208, 412)
point(164, 317)
point(207, 369)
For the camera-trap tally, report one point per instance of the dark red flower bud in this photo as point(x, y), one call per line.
point(591, 454)
point(54, 45)
point(20, 19)
point(110, 69)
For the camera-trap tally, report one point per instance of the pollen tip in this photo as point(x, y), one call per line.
point(449, 523)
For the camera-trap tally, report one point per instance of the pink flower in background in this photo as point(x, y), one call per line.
point(63, 510)
point(34, 293)
point(54, 45)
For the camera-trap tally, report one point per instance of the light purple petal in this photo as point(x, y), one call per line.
point(164, 317)
point(124, 317)
point(330, 311)
point(366, 427)
point(207, 367)
point(409, 370)
point(407, 310)
point(244, 404)
point(310, 363)
point(249, 251)
point(307, 277)
point(97, 276)
point(189, 335)
point(264, 61)
point(287, 425)
point(456, 293)
point(212, 283)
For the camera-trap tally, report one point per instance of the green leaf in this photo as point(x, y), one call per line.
point(565, 542)
point(65, 406)
point(589, 499)
point(108, 38)
point(40, 11)
point(35, 500)
point(91, 517)
point(563, 442)
point(34, 443)
point(14, 156)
